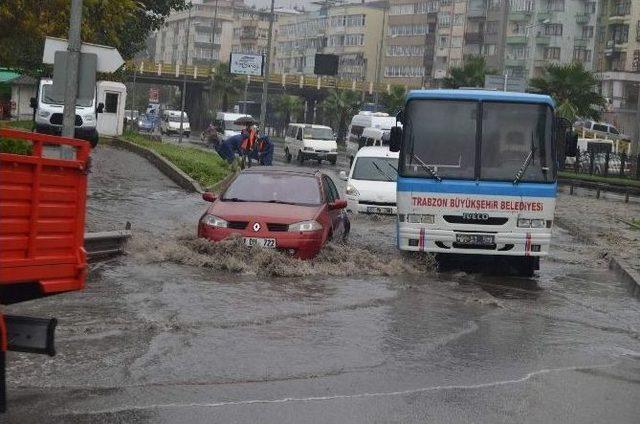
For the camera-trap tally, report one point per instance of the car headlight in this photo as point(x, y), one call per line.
point(214, 221)
point(43, 113)
point(88, 117)
point(306, 226)
point(351, 191)
point(420, 218)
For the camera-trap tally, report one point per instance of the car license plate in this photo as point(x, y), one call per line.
point(376, 209)
point(260, 242)
point(475, 239)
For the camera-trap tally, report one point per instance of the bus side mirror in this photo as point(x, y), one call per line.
point(395, 139)
point(33, 103)
point(570, 143)
point(100, 108)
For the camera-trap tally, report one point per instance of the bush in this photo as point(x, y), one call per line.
point(205, 167)
point(15, 146)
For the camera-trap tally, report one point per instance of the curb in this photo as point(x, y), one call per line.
point(167, 168)
point(630, 276)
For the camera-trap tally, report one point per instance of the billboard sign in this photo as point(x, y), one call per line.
point(246, 64)
point(505, 83)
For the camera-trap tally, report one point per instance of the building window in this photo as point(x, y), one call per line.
point(635, 65)
point(553, 29)
point(458, 19)
point(621, 8)
point(555, 5)
point(444, 20)
point(638, 31)
point(399, 71)
point(489, 50)
point(111, 102)
point(491, 27)
point(619, 33)
point(552, 53)
point(456, 42)
point(443, 42)
point(582, 55)
point(587, 32)
point(521, 5)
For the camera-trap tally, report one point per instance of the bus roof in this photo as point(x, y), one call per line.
point(481, 95)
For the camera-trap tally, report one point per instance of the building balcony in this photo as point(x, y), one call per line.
point(515, 62)
point(583, 18)
point(543, 40)
point(476, 12)
point(618, 19)
point(543, 15)
point(519, 16)
point(541, 63)
point(473, 37)
point(581, 42)
point(516, 39)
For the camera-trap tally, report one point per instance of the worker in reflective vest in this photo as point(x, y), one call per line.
point(247, 144)
point(264, 150)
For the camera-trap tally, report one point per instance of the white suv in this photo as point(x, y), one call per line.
point(309, 141)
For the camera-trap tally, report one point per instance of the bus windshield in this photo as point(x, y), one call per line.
point(441, 139)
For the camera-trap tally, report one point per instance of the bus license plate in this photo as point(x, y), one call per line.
point(475, 239)
point(260, 242)
point(375, 209)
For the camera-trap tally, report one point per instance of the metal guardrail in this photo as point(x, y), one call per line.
point(201, 73)
point(105, 244)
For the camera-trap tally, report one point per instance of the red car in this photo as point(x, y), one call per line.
point(293, 209)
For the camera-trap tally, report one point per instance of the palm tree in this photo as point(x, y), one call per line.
point(470, 75)
point(287, 107)
point(340, 105)
point(394, 100)
point(573, 88)
point(225, 84)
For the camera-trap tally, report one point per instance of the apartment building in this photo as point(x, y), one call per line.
point(485, 31)
point(250, 31)
point(171, 40)
point(618, 62)
point(351, 31)
point(543, 32)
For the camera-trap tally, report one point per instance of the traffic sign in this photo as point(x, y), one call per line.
point(109, 59)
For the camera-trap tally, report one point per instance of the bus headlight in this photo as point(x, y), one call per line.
point(524, 223)
point(537, 223)
point(531, 223)
point(420, 219)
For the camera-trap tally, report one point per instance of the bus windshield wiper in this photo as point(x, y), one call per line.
point(392, 167)
point(384, 174)
point(427, 168)
point(524, 166)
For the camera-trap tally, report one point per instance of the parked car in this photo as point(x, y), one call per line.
point(170, 123)
point(146, 123)
point(371, 183)
point(600, 129)
point(308, 141)
point(293, 209)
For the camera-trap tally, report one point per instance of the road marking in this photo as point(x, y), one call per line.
point(523, 379)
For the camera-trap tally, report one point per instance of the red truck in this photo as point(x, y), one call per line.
point(43, 188)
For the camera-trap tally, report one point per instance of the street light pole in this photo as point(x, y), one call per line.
point(213, 44)
point(184, 75)
point(73, 63)
point(380, 52)
point(265, 82)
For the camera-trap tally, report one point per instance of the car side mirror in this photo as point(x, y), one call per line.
point(343, 176)
point(100, 108)
point(338, 204)
point(395, 139)
point(209, 197)
point(570, 143)
point(33, 103)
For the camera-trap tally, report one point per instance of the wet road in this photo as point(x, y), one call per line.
point(152, 340)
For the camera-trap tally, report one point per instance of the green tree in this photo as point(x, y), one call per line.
point(394, 100)
point(574, 89)
point(287, 107)
point(225, 85)
point(340, 105)
point(470, 75)
point(124, 24)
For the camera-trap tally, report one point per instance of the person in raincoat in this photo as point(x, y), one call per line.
point(264, 150)
point(228, 148)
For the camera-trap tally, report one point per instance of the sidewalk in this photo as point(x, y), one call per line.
point(599, 221)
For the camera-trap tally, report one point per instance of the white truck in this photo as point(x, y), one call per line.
point(48, 114)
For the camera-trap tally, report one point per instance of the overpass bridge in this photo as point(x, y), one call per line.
point(198, 83)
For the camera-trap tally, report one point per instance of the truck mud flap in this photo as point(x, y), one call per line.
point(31, 335)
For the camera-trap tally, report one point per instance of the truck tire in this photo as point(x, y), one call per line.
point(300, 157)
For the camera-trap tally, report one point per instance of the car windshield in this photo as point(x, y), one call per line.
point(375, 169)
point(230, 126)
point(441, 138)
point(319, 134)
point(274, 188)
point(47, 97)
point(176, 118)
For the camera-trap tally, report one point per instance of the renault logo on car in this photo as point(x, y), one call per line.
point(475, 216)
point(256, 227)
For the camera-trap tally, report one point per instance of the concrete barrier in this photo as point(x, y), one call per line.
point(628, 274)
point(165, 166)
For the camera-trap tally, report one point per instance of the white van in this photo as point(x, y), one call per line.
point(226, 127)
point(170, 123)
point(371, 183)
point(309, 141)
point(364, 120)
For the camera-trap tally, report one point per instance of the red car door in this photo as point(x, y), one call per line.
point(335, 215)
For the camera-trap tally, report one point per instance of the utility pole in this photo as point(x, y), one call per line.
point(379, 64)
point(636, 149)
point(133, 94)
point(73, 63)
point(213, 61)
point(184, 75)
point(265, 83)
